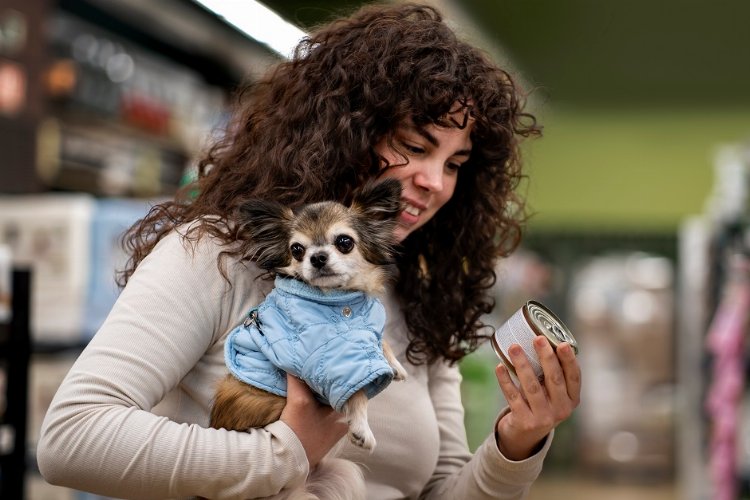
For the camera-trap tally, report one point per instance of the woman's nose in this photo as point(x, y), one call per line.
point(430, 177)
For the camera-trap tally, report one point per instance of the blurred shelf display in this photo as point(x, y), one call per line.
point(617, 294)
point(105, 106)
point(713, 353)
point(117, 97)
point(123, 121)
point(622, 310)
point(72, 241)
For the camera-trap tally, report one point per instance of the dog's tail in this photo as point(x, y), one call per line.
point(337, 479)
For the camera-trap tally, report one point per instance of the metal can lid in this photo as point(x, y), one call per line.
point(544, 322)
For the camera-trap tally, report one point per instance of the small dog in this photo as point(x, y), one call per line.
point(321, 322)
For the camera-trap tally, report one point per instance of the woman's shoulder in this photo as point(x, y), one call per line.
point(189, 249)
point(192, 240)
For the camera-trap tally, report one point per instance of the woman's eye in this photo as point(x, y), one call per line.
point(344, 243)
point(453, 167)
point(298, 251)
point(413, 149)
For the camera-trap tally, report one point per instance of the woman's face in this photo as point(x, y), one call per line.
point(433, 154)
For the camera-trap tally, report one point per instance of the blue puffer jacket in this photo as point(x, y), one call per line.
point(331, 340)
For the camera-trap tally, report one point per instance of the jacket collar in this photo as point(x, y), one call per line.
point(299, 288)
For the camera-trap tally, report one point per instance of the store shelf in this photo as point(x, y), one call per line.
point(116, 100)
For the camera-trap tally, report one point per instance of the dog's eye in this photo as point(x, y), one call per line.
point(344, 243)
point(298, 251)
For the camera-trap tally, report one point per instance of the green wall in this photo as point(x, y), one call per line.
point(625, 170)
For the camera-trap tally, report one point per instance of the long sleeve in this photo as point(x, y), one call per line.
point(485, 475)
point(129, 419)
point(422, 418)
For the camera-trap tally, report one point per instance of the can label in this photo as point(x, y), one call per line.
point(522, 327)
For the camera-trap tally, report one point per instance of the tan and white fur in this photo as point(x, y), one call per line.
point(327, 245)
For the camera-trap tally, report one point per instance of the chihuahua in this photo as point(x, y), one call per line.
point(322, 322)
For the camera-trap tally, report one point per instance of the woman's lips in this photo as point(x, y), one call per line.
point(410, 213)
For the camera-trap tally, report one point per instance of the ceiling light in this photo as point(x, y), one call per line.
point(258, 22)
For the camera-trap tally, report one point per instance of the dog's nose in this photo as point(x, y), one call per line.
point(318, 260)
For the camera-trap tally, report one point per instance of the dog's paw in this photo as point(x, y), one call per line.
point(362, 436)
point(399, 372)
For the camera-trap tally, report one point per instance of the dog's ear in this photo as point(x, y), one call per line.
point(268, 225)
point(376, 207)
point(379, 200)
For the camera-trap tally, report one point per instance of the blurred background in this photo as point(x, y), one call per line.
point(638, 192)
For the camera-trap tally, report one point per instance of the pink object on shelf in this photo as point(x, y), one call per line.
point(725, 341)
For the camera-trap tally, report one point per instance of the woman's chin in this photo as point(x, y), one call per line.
point(401, 233)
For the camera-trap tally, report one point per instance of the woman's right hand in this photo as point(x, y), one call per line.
point(318, 427)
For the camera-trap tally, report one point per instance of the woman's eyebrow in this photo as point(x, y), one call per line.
point(430, 138)
point(433, 140)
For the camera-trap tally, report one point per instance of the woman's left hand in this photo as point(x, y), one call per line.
point(536, 408)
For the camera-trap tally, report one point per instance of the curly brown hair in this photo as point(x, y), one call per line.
point(306, 132)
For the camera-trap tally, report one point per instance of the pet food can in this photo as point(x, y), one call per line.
point(522, 327)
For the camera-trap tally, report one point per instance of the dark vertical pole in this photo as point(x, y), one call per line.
point(17, 354)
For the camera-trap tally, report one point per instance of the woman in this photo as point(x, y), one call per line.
point(387, 92)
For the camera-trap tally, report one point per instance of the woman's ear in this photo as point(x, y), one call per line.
point(379, 199)
point(268, 225)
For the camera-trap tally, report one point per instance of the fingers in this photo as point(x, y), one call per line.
point(536, 407)
point(562, 377)
point(554, 379)
point(531, 387)
point(511, 392)
point(572, 371)
point(528, 397)
point(558, 394)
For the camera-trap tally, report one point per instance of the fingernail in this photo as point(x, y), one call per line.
point(515, 350)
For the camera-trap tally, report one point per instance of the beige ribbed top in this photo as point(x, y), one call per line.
point(129, 419)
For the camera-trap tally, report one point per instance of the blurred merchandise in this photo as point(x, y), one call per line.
point(12, 88)
point(6, 269)
point(71, 243)
point(96, 103)
point(122, 121)
point(522, 276)
point(105, 108)
point(112, 217)
point(715, 446)
point(725, 342)
point(111, 77)
point(695, 269)
point(13, 75)
point(622, 313)
point(13, 32)
point(98, 160)
point(50, 235)
point(728, 201)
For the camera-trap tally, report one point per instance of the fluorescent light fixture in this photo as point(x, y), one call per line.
point(258, 22)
